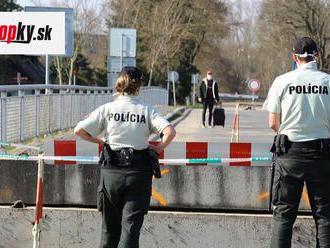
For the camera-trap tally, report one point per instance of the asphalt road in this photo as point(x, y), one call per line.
point(253, 127)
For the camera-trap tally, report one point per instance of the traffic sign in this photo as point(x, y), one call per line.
point(173, 76)
point(115, 64)
point(195, 78)
point(122, 42)
point(254, 85)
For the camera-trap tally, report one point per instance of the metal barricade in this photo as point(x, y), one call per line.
point(27, 111)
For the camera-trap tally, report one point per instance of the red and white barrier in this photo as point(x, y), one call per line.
point(235, 126)
point(39, 205)
point(176, 150)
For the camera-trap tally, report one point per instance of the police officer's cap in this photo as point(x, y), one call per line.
point(305, 46)
point(133, 72)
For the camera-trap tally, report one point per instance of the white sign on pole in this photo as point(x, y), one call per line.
point(173, 76)
point(112, 78)
point(254, 85)
point(194, 81)
point(32, 33)
point(69, 32)
point(195, 78)
point(115, 63)
point(122, 42)
point(122, 50)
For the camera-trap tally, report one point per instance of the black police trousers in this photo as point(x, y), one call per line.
point(208, 104)
point(124, 199)
point(292, 170)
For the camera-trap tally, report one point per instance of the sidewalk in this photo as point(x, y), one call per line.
point(253, 127)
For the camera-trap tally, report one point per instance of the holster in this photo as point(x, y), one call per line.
point(121, 158)
point(280, 146)
point(272, 173)
point(105, 154)
point(124, 158)
point(325, 146)
point(154, 163)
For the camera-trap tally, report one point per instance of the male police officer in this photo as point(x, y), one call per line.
point(299, 106)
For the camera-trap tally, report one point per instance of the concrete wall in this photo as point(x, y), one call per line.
point(180, 187)
point(79, 228)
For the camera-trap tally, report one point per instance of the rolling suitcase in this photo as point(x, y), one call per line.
point(219, 117)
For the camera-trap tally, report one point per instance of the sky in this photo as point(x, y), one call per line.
point(24, 3)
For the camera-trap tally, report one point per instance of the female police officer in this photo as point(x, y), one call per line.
point(125, 184)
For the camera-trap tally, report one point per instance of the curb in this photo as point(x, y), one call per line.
point(176, 113)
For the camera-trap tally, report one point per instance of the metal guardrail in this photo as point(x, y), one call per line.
point(28, 111)
point(25, 87)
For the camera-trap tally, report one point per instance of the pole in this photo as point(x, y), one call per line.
point(74, 79)
point(168, 84)
point(194, 95)
point(237, 122)
point(174, 97)
point(18, 78)
point(39, 204)
point(47, 70)
point(121, 51)
point(235, 126)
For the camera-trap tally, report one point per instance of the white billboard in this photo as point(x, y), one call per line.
point(122, 42)
point(32, 33)
point(115, 64)
point(69, 33)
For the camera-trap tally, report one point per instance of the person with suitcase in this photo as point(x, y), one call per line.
point(208, 95)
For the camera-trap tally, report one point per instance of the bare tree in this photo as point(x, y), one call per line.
point(288, 20)
point(167, 26)
point(87, 21)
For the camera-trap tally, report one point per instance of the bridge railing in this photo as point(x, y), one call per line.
point(28, 111)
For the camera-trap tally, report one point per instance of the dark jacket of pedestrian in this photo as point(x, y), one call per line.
point(208, 90)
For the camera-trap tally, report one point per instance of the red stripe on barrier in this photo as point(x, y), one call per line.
point(39, 203)
point(65, 148)
point(161, 155)
point(240, 150)
point(196, 150)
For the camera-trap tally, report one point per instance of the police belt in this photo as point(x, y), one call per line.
point(125, 157)
point(318, 144)
point(128, 158)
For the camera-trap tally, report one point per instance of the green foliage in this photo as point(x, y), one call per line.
point(170, 35)
point(101, 77)
point(6, 62)
point(185, 69)
point(84, 73)
point(9, 5)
